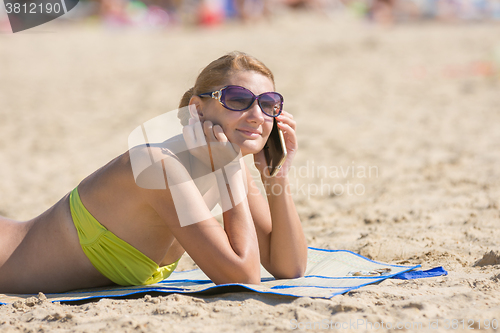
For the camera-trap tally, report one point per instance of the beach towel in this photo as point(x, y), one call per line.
point(328, 273)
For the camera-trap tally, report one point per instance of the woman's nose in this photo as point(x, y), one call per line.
point(254, 113)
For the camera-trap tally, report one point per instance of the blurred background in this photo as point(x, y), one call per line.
point(168, 14)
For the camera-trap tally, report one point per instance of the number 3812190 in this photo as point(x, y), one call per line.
point(32, 8)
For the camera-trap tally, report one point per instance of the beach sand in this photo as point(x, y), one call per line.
point(399, 159)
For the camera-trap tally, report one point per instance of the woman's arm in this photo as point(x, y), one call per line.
point(283, 248)
point(282, 244)
point(226, 255)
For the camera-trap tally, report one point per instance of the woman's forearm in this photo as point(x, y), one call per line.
point(234, 253)
point(238, 224)
point(288, 247)
point(238, 221)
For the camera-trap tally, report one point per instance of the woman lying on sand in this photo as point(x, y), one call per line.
point(109, 230)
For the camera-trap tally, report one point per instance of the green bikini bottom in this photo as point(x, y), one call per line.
point(111, 256)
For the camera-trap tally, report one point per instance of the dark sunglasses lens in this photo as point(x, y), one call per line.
point(271, 103)
point(237, 98)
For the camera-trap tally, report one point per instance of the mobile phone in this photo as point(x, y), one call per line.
point(275, 150)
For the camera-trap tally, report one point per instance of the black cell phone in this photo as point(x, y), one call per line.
point(275, 150)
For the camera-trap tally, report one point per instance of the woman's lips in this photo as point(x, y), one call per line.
point(250, 133)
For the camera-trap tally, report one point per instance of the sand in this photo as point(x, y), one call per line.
point(399, 159)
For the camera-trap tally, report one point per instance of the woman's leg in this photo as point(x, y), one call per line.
point(45, 255)
point(11, 235)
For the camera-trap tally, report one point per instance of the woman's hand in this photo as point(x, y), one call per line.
point(287, 125)
point(208, 143)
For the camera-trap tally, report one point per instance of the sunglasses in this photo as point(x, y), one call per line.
point(236, 98)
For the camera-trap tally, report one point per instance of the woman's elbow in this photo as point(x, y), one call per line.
point(239, 272)
point(291, 272)
point(252, 277)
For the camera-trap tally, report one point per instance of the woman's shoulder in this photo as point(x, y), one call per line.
point(157, 149)
point(173, 146)
point(148, 161)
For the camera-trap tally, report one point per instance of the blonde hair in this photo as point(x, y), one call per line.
point(216, 74)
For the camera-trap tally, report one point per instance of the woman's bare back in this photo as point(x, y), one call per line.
point(44, 254)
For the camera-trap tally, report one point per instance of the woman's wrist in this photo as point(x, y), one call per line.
point(276, 186)
point(232, 182)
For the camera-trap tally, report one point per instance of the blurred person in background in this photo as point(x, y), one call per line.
point(382, 11)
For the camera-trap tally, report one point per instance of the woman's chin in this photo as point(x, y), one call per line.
point(252, 147)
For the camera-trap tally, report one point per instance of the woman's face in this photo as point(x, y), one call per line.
point(248, 129)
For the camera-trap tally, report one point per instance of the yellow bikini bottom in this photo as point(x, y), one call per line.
point(113, 257)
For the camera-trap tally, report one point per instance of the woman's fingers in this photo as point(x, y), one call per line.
point(288, 131)
point(214, 132)
point(197, 134)
point(208, 129)
point(219, 134)
point(287, 125)
point(287, 118)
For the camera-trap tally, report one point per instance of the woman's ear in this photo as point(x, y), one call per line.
point(195, 108)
